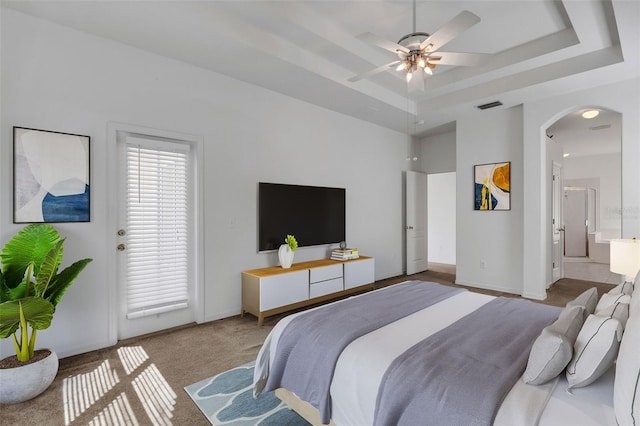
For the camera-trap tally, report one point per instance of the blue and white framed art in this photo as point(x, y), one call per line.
point(50, 176)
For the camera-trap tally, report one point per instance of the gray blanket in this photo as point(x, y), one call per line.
point(460, 375)
point(310, 345)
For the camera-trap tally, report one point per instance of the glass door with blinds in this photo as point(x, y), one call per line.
point(156, 287)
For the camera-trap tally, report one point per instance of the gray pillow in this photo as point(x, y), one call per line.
point(588, 299)
point(569, 322)
point(550, 354)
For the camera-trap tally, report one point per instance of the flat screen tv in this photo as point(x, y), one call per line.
point(314, 215)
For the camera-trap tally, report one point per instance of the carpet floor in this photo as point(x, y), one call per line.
point(141, 380)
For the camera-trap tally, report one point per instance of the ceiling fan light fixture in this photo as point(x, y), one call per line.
point(409, 76)
point(427, 70)
point(422, 62)
point(591, 113)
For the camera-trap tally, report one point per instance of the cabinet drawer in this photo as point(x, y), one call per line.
point(325, 287)
point(359, 272)
point(325, 273)
point(284, 289)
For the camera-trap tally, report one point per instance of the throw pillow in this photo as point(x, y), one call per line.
point(595, 350)
point(611, 299)
point(619, 311)
point(569, 322)
point(552, 350)
point(626, 387)
point(588, 299)
point(550, 354)
point(624, 288)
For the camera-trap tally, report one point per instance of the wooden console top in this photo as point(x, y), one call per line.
point(276, 270)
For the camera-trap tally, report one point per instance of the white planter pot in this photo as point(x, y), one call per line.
point(22, 383)
point(285, 256)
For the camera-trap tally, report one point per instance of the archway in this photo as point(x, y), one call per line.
point(585, 154)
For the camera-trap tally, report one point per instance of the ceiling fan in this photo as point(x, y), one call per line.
point(418, 52)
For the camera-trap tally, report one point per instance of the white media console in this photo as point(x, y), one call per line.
point(274, 290)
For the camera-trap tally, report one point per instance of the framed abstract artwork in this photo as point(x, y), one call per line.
point(50, 176)
point(492, 186)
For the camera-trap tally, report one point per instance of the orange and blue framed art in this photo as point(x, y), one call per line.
point(50, 176)
point(492, 186)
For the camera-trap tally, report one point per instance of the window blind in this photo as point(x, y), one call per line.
point(157, 227)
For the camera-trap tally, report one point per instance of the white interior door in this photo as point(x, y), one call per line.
point(557, 228)
point(575, 222)
point(416, 222)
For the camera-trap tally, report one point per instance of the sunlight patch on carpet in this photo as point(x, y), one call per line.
point(81, 391)
point(227, 399)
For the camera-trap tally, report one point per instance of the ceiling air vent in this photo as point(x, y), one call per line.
point(604, 126)
point(490, 105)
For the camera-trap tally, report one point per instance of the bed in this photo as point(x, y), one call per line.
point(423, 353)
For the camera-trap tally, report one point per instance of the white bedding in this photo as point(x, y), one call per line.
point(360, 369)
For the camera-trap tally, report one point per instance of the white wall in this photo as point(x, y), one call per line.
point(438, 153)
point(55, 78)
point(441, 209)
point(492, 237)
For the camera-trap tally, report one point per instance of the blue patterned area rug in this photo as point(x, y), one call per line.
point(227, 399)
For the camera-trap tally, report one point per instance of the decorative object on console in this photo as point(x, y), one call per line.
point(285, 252)
point(344, 254)
point(625, 257)
point(50, 176)
point(492, 186)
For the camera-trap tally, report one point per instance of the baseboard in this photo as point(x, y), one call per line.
point(221, 315)
point(485, 287)
point(534, 296)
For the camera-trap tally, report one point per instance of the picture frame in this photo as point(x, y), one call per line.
point(51, 176)
point(492, 186)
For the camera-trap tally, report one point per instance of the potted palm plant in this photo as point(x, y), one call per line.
point(30, 289)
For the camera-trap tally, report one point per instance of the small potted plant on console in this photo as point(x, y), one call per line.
point(285, 252)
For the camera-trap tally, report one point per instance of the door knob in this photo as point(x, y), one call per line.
point(121, 247)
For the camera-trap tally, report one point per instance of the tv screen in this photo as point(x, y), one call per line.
point(314, 215)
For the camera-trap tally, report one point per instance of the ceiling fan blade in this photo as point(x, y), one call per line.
point(460, 23)
point(383, 43)
point(373, 71)
point(455, 58)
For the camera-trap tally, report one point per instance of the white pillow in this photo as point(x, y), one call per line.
point(595, 350)
point(624, 288)
point(619, 311)
point(635, 297)
point(609, 299)
point(588, 299)
point(626, 388)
